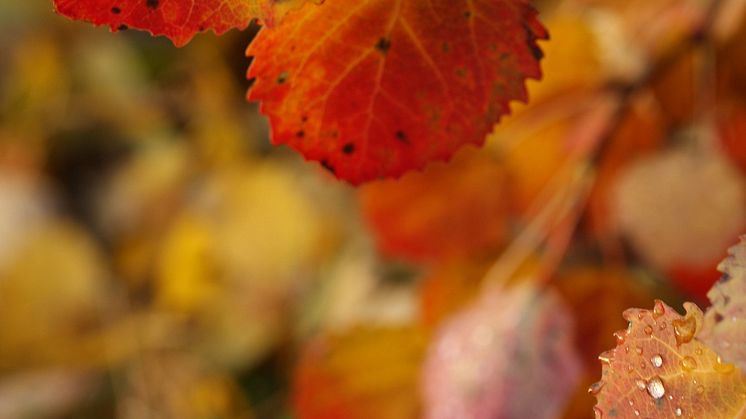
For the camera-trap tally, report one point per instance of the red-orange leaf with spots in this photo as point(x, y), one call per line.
point(375, 88)
point(179, 20)
point(660, 369)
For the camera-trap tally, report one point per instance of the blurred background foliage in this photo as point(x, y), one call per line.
point(160, 259)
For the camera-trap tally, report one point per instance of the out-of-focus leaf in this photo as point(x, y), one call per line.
point(234, 258)
point(605, 292)
point(448, 211)
point(681, 209)
point(725, 321)
point(365, 373)
point(381, 87)
point(660, 369)
point(180, 387)
point(52, 290)
point(640, 133)
point(571, 60)
point(676, 90)
point(447, 288)
point(732, 129)
point(497, 356)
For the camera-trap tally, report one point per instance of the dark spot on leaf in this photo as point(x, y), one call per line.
point(153, 4)
point(122, 27)
point(348, 148)
point(718, 317)
point(467, 14)
point(401, 136)
point(283, 77)
point(300, 134)
point(446, 47)
point(116, 10)
point(201, 28)
point(326, 165)
point(383, 45)
point(536, 51)
point(725, 277)
point(461, 72)
point(335, 134)
point(304, 118)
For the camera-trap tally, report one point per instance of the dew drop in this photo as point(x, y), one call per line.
point(698, 351)
point(662, 325)
point(723, 367)
point(605, 358)
point(700, 389)
point(637, 412)
point(630, 402)
point(642, 365)
point(648, 330)
point(657, 361)
point(595, 388)
point(688, 363)
point(684, 329)
point(598, 413)
point(640, 384)
point(638, 349)
point(658, 309)
point(655, 388)
point(619, 337)
point(678, 412)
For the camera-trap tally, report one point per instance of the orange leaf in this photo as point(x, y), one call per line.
point(449, 210)
point(375, 88)
point(179, 20)
point(366, 373)
point(660, 370)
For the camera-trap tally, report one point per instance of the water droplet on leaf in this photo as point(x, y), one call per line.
point(684, 329)
point(657, 361)
point(655, 388)
point(688, 363)
point(658, 309)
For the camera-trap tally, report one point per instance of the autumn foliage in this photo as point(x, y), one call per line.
point(379, 209)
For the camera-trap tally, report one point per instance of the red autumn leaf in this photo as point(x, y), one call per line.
point(179, 20)
point(378, 87)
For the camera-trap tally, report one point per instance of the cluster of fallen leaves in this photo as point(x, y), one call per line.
point(159, 259)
